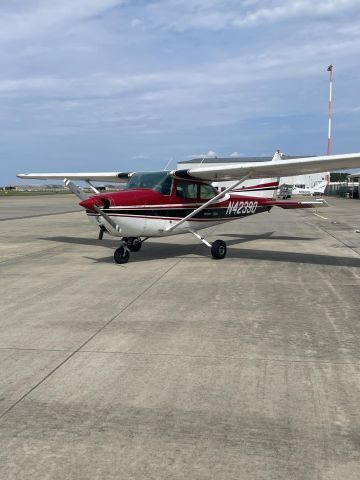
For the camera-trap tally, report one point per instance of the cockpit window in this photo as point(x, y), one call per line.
point(158, 181)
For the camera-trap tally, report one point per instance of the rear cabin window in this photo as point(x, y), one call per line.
point(206, 192)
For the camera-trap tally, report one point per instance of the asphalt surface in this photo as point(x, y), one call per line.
point(177, 366)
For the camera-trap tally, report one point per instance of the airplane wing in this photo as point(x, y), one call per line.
point(112, 177)
point(279, 168)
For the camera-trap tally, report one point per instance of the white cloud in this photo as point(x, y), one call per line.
point(136, 23)
point(36, 19)
point(182, 15)
point(211, 154)
point(189, 84)
point(221, 92)
point(294, 9)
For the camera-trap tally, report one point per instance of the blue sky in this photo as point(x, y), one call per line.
point(126, 85)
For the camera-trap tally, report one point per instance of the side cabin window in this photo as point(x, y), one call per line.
point(186, 190)
point(194, 191)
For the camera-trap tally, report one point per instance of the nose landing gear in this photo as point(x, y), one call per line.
point(129, 244)
point(122, 254)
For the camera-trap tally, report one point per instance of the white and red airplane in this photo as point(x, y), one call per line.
point(162, 203)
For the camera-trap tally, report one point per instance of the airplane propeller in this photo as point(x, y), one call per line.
point(106, 217)
point(83, 196)
point(75, 189)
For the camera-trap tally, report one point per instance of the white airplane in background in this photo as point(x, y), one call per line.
point(318, 188)
point(158, 204)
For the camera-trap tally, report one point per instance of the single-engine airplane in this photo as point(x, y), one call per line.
point(157, 204)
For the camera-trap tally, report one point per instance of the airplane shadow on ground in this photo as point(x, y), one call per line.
point(242, 237)
point(153, 251)
point(106, 242)
point(237, 238)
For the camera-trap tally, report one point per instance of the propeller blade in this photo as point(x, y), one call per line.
point(107, 218)
point(75, 190)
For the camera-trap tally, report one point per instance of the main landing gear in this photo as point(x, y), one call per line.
point(218, 248)
point(129, 244)
point(133, 244)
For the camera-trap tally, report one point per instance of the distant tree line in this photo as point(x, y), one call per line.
point(338, 177)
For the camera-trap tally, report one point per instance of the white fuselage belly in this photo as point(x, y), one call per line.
point(138, 226)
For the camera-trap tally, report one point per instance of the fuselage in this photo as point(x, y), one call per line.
point(149, 206)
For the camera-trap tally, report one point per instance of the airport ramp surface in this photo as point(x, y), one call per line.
point(176, 365)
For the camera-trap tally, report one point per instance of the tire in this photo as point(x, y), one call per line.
point(121, 255)
point(134, 244)
point(218, 249)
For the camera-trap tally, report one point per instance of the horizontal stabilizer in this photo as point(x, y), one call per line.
point(302, 204)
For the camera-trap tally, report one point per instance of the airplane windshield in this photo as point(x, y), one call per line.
point(158, 181)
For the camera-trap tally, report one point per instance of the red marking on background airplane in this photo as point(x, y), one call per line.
point(158, 204)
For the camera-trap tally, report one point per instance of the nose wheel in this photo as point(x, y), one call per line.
point(122, 254)
point(129, 244)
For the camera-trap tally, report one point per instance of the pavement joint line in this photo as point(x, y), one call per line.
point(37, 216)
point(185, 355)
point(338, 240)
point(323, 228)
point(318, 215)
point(73, 353)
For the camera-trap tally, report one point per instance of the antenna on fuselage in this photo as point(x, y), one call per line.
point(168, 163)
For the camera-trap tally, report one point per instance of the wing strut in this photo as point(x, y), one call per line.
point(206, 204)
point(92, 187)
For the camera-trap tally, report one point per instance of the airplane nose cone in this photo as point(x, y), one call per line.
point(99, 201)
point(89, 203)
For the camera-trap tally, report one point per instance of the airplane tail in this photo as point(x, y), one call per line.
point(264, 188)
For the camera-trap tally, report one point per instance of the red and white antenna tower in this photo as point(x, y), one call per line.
point(330, 69)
